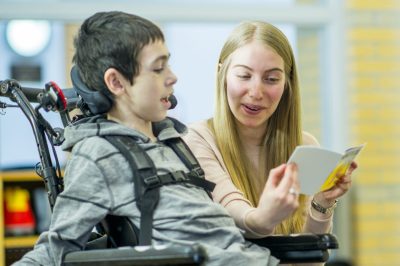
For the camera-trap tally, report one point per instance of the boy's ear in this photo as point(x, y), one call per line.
point(114, 81)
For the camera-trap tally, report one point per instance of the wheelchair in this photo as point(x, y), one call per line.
point(116, 240)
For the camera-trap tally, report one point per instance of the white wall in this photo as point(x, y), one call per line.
point(17, 142)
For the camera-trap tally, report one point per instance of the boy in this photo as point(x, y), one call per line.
point(124, 57)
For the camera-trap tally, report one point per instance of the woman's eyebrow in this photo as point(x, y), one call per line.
point(268, 70)
point(274, 69)
point(244, 66)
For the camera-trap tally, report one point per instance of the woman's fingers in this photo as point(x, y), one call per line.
point(289, 181)
point(340, 188)
point(345, 182)
point(281, 191)
point(276, 175)
point(294, 189)
point(353, 166)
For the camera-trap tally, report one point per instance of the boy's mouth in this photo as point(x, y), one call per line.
point(165, 99)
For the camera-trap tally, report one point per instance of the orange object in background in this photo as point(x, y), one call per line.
point(18, 215)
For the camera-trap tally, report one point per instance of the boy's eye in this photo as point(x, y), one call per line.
point(158, 70)
point(161, 68)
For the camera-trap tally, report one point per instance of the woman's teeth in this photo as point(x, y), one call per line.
point(253, 108)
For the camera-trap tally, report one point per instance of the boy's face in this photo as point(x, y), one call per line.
point(148, 96)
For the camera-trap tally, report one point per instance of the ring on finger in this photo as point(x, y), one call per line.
point(293, 191)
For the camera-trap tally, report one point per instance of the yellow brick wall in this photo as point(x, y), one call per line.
point(309, 74)
point(70, 31)
point(373, 69)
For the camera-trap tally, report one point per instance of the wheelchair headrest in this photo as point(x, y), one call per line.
point(92, 102)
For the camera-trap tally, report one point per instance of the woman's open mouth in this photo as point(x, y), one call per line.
point(252, 109)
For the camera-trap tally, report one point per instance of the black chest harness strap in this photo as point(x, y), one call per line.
point(147, 182)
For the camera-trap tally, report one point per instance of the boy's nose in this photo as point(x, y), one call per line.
point(172, 79)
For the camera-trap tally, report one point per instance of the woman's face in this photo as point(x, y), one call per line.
point(255, 84)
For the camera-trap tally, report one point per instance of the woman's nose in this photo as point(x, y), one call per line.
point(256, 90)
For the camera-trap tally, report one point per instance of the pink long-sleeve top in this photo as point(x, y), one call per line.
point(202, 142)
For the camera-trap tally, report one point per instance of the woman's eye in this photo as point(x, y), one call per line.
point(243, 76)
point(272, 79)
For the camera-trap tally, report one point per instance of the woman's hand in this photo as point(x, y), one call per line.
point(328, 197)
point(278, 200)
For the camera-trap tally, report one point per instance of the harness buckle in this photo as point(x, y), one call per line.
point(152, 181)
point(197, 172)
point(179, 176)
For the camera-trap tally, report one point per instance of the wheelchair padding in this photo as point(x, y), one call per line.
point(142, 255)
point(96, 101)
point(299, 248)
point(302, 241)
point(305, 256)
point(121, 231)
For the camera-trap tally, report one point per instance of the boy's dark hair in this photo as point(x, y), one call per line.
point(112, 39)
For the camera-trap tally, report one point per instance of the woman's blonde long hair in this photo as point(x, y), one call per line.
point(283, 131)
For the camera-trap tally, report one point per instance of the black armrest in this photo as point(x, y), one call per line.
point(140, 255)
point(289, 249)
point(299, 248)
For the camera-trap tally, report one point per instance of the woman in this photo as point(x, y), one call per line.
point(255, 128)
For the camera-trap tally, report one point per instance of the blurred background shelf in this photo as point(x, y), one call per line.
point(20, 241)
point(19, 176)
point(27, 179)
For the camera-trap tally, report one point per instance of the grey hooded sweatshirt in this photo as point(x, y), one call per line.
point(98, 181)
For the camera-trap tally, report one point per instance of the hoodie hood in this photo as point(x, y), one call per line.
point(100, 126)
